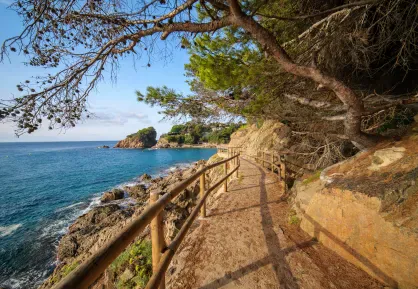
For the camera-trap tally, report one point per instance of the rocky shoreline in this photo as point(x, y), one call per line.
point(117, 208)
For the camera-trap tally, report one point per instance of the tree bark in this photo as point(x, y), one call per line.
point(355, 107)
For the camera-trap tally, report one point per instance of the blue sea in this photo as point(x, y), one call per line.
point(46, 186)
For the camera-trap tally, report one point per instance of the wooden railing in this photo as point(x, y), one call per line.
point(274, 162)
point(91, 269)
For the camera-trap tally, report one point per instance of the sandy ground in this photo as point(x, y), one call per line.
point(246, 241)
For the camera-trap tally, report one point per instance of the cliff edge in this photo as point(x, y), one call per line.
point(144, 138)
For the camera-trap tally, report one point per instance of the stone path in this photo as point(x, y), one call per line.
point(247, 242)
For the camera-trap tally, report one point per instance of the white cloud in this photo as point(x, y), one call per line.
point(108, 116)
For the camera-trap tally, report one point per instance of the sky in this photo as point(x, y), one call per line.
point(117, 111)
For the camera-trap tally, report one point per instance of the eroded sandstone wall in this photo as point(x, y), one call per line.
point(366, 210)
point(272, 135)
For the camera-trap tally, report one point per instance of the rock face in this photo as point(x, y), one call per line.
point(366, 210)
point(144, 138)
point(163, 143)
point(115, 194)
point(272, 135)
point(88, 233)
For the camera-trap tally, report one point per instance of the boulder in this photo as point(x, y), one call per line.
point(115, 194)
point(84, 226)
point(384, 157)
point(145, 178)
point(138, 192)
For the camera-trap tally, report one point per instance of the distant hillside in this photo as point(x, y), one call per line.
point(198, 133)
point(143, 138)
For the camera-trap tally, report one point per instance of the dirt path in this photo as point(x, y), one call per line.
point(246, 242)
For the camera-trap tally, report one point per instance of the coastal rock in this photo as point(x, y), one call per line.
point(84, 227)
point(164, 143)
point(138, 192)
point(144, 138)
point(115, 194)
point(93, 229)
point(145, 178)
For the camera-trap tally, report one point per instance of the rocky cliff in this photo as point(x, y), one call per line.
point(366, 210)
point(144, 138)
point(271, 135)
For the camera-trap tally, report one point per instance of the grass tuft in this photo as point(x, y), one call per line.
point(133, 268)
point(312, 178)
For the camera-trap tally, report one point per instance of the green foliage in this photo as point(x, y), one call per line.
point(189, 139)
point(222, 136)
point(138, 260)
point(65, 270)
point(312, 178)
point(175, 105)
point(175, 138)
point(143, 132)
point(179, 128)
point(193, 133)
point(293, 218)
point(398, 120)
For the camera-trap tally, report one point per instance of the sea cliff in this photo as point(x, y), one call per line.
point(144, 138)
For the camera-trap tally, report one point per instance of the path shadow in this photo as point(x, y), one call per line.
point(276, 255)
point(237, 274)
point(245, 188)
point(243, 209)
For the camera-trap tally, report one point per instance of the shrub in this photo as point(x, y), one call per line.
point(312, 178)
point(137, 259)
point(189, 139)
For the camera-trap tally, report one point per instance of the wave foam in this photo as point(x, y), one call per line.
point(69, 207)
point(8, 230)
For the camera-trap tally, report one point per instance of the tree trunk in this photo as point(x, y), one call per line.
point(355, 107)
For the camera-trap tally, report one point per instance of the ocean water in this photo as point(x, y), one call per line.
point(44, 187)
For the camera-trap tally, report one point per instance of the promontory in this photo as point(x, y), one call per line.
point(144, 138)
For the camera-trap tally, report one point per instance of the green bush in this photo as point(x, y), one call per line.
point(136, 259)
point(65, 270)
point(189, 139)
point(175, 138)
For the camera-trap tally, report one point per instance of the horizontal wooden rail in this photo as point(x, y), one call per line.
point(91, 269)
point(168, 254)
point(266, 161)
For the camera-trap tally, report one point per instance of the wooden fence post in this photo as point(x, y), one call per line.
point(202, 193)
point(157, 238)
point(283, 173)
point(237, 165)
point(226, 180)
